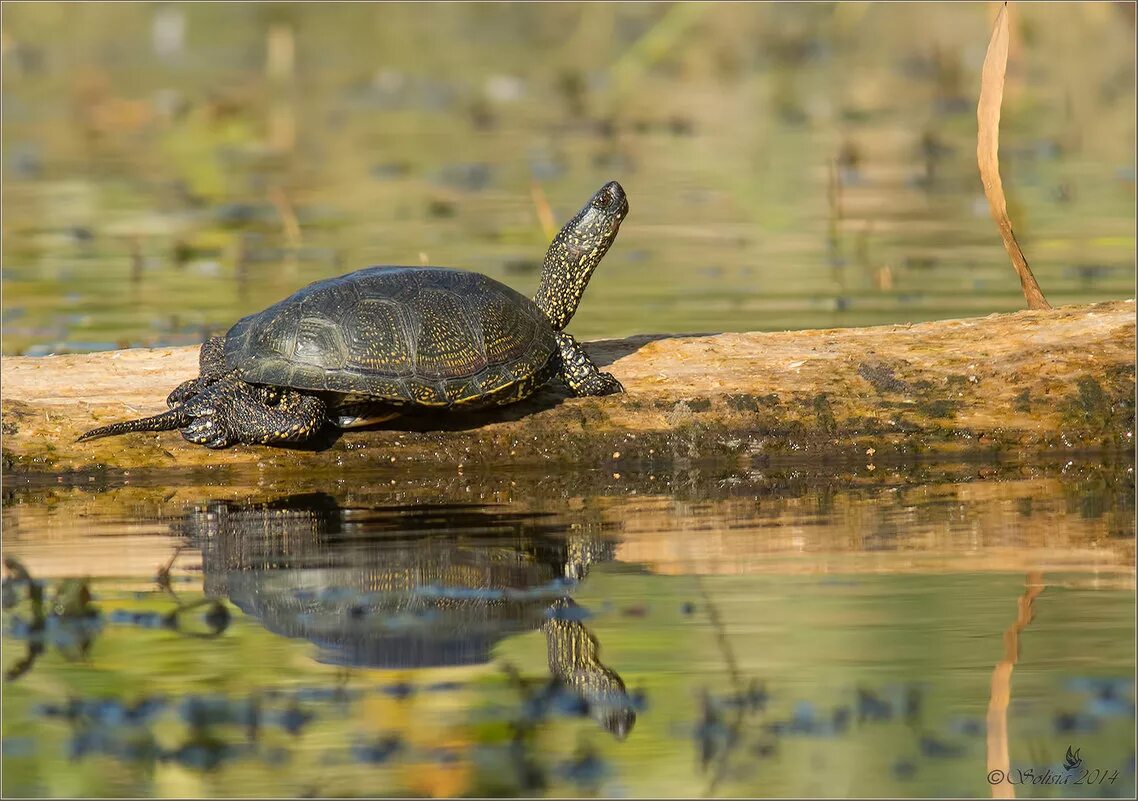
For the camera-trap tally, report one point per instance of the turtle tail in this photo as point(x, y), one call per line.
point(168, 420)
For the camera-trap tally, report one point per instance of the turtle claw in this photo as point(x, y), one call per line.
point(606, 384)
point(188, 390)
point(596, 385)
point(206, 430)
point(579, 371)
point(183, 392)
point(217, 443)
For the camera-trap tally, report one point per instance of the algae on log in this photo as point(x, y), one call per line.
point(1004, 384)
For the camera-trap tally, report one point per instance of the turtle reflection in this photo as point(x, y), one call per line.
point(413, 586)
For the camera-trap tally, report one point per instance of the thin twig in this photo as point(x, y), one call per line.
point(736, 681)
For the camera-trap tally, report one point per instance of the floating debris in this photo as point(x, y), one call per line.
point(551, 698)
point(764, 748)
point(211, 710)
point(904, 769)
point(840, 719)
point(216, 617)
point(443, 756)
point(753, 699)
point(1075, 723)
point(131, 745)
point(546, 166)
point(1108, 696)
point(293, 719)
point(968, 727)
point(275, 756)
point(444, 686)
point(400, 690)
point(390, 170)
point(236, 215)
point(712, 735)
point(872, 707)
point(146, 620)
point(473, 177)
point(378, 751)
point(586, 769)
point(326, 694)
point(939, 749)
point(806, 722)
point(205, 753)
point(441, 209)
point(104, 711)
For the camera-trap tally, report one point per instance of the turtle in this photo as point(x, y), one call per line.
point(383, 341)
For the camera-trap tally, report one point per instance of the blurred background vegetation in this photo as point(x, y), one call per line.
point(170, 167)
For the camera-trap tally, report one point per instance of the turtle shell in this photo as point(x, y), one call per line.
point(409, 336)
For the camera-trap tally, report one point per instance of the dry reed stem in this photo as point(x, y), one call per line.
point(987, 154)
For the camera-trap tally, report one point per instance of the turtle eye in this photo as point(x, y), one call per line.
point(605, 199)
point(609, 198)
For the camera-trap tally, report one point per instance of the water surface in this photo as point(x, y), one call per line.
point(705, 629)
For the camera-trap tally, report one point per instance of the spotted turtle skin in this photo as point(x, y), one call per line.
point(404, 336)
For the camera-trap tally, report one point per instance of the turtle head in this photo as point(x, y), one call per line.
point(577, 250)
point(609, 202)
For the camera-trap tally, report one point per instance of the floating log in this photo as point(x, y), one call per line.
point(1005, 385)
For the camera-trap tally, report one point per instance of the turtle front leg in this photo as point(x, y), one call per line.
point(231, 411)
point(211, 368)
point(579, 372)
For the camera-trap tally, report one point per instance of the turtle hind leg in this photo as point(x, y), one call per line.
point(231, 411)
point(579, 372)
point(211, 368)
